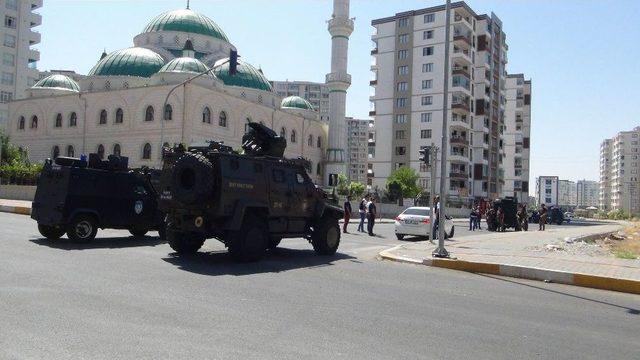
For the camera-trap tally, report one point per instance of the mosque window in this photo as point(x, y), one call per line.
point(319, 141)
point(125, 84)
point(293, 136)
point(168, 112)
point(70, 151)
point(318, 169)
point(310, 140)
point(119, 116)
point(107, 85)
point(148, 114)
point(206, 115)
point(55, 152)
point(116, 150)
point(283, 132)
point(243, 94)
point(222, 121)
point(100, 151)
point(146, 151)
point(73, 119)
point(176, 40)
point(58, 122)
point(103, 117)
point(34, 122)
point(260, 99)
point(21, 123)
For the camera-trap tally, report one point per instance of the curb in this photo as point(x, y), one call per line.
point(576, 279)
point(22, 210)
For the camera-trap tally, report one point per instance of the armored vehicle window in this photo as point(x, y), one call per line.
point(299, 178)
point(140, 190)
point(278, 176)
point(168, 112)
point(148, 114)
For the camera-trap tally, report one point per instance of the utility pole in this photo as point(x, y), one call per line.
point(434, 161)
point(440, 251)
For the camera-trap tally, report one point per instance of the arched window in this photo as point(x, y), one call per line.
point(318, 169)
point(119, 116)
point(146, 151)
point(283, 132)
point(100, 151)
point(70, 151)
point(293, 136)
point(319, 141)
point(206, 115)
point(148, 113)
point(55, 152)
point(116, 150)
point(21, 123)
point(73, 119)
point(222, 120)
point(168, 112)
point(310, 140)
point(58, 120)
point(103, 117)
point(34, 122)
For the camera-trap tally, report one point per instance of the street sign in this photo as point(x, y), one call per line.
point(425, 155)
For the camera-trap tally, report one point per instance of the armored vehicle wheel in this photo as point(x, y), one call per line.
point(192, 178)
point(138, 232)
point(184, 242)
point(82, 228)
point(326, 236)
point(250, 242)
point(400, 236)
point(274, 241)
point(51, 232)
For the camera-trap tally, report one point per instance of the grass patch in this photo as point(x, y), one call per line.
point(625, 254)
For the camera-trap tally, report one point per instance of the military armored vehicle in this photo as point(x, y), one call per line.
point(76, 197)
point(509, 206)
point(249, 201)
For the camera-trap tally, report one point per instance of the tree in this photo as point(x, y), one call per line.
point(407, 179)
point(14, 163)
point(343, 185)
point(356, 189)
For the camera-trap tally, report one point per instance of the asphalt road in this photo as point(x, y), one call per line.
point(123, 298)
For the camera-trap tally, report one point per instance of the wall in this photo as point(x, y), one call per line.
point(17, 192)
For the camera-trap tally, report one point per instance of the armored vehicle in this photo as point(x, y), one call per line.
point(249, 201)
point(509, 206)
point(76, 197)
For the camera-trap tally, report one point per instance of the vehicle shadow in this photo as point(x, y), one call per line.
point(101, 243)
point(215, 263)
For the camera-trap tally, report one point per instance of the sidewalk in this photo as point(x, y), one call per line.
point(524, 255)
point(15, 206)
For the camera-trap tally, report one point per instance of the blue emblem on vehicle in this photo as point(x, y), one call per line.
point(138, 207)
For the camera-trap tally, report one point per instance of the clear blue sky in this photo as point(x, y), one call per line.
point(582, 56)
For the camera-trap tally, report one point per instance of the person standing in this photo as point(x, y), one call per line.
point(347, 214)
point(436, 218)
point(542, 221)
point(472, 220)
point(478, 218)
point(372, 211)
point(500, 216)
point(362, 210)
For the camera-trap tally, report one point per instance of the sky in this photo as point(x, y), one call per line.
point(581, 55)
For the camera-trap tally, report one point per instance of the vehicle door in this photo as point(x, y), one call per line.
point(280, 194)
point(300, 199)
point(135, 203)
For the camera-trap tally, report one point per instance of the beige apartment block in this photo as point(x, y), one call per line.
point(517, 138)
point(619, 172)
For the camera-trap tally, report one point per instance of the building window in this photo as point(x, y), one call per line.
point(425, 117)
point(403, 22)
point(70, 151)
point(400, 134)
point(402, 54)
point(100, 151)
point(146, 151)
point(34, 122)
point(401, 150)
point(319, 142)
point(293, 136)
point(103, 117)
point(222, 119)
point(427, 100)
point(148, 113)
point(58, 122)
point(403, 70)
point(7, 78)
point(8, 59)
point(21, 123)
point(5, 96)
point(427, 51)
point(425, 134)
point(401, 118)
point(116, 150)
point(206, 115)
point(12, 4)
point(427, 84)
point(318, 169)
point(73, 119)
point(168, 112)
point(310, 141)
point(401, 102)
point(402, 86)
point(55, 152)
point(9, 40)
point(428, 34)
point(9, 22)
point(283, 132)
point(429, 18)
point(119, 116)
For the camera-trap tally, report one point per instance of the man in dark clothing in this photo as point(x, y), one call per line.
point(543, 218)
point(362, 210)
point(436, 218)
point(347, 214)
point(372, 211)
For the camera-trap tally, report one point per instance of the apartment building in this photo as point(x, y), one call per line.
point(567, 194)
point(619, 172)
point(547, 190)
point(357, 149)
point(517, 137)
point(408, 82)
point(18, 67)
point(588, 193)
point(315, 93)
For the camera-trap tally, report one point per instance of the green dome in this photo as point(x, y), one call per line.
point(185, 20)
point(296, 102)
point(184, 64)
point(133, 61)
point(59, 82)
point(246, 75)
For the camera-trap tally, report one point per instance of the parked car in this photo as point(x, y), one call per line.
point(416, 221)
point(568, 216)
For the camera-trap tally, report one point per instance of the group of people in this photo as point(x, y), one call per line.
point(474, 219)
point(367, 210)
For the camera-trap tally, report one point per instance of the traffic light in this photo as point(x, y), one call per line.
point(425, 155)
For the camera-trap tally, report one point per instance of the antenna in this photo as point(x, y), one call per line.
point(187, 4)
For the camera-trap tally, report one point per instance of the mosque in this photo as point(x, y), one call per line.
point(137, 99)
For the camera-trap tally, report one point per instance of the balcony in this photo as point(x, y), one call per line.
point(461, 70)
point(459, 175)
point(35, 19)
point(461, 55)
point(374, 51)
point(373, 82)
point(462, 39)
point(34, 37)
point(458, 140)
point(372, 113)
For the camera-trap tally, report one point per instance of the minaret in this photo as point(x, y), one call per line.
point(340, 27)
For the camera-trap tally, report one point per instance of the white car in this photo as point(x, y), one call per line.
point(416, 221)
point(568, 216)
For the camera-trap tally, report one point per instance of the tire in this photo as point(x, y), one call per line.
point(250, 242)
point(51, 232)
point(274, 241)
point(326, 236)
point(192, 178)
point(400, 236)
point(138, 232)
point(82, 228)
point(185, 242)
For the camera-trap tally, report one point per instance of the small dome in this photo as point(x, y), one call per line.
point(132, 61)
point(296, 102)
point(245, 76)
point(184, 64)
point(185, 20)
point(57, 81)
